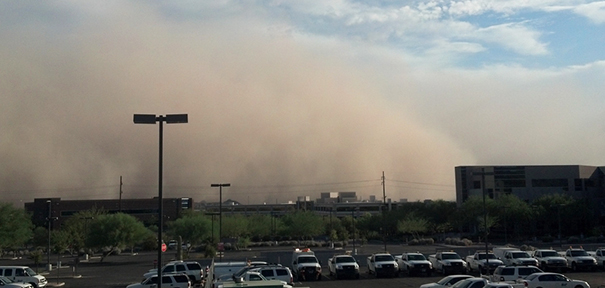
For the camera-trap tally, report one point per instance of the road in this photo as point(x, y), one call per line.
point(121, 270)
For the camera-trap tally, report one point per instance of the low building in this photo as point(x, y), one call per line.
point(146, 210)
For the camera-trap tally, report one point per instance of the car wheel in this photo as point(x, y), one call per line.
point(34, 285)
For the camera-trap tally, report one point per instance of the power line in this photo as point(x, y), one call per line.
point(421, 183)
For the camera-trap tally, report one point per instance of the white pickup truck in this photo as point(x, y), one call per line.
point(343, 265)
point(518, 258)
point(305, 265)
point(382, 264)
point(448, 263)
point(414, 263)
point(599, 255)
point(550, 260)
point(479, 262)
point(579, 259)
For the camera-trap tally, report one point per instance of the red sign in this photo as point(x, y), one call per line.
point(163, 247)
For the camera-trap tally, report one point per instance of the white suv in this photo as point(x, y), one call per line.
point(276, 272)
point(193, 270)
point(512, 273)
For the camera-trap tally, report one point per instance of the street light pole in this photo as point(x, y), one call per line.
point(48, 219)
point(220, 212)
point(152, 119)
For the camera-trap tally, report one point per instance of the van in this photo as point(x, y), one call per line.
point(23, 274)
point(510, 274)
point(229, 268)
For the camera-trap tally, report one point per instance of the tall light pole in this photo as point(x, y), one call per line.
point(152, 119)
point(48, 219)
point(384, 213)
point(353, 212)
point(220, 211)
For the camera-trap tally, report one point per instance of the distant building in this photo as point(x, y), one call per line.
point(145, 210)
point(337, 197)
point(530, 182)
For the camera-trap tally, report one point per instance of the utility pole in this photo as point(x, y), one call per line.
point(384, 213)
point(120, 202)
point(483, 191)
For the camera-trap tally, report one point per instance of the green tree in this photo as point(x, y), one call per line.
point(302, 224)
point(16, 227)
point(115, 231)
point(514, 216)
point(413, 224)
point(193, 228)
point(60, 241)
point(235, 226)
point(263, 226)
point(40, 237)
point(78, 226)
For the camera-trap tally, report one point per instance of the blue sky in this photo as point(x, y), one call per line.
point(294, 98)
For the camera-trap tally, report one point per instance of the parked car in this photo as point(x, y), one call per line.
point(579, 259)
point(549, 260)
point(414, 263)
point(498, 285)
point(513, 273)
point(552, 280)
point(8, 283)
point(343, 265)
point(446, 281)
point(168, 280)
point(474, 282)
point(23, 274)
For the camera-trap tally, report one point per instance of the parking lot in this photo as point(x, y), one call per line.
point(124, 269)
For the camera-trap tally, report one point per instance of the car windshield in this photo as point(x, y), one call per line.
point(520, 255)
point(549, 254)
point(416, 257)
point(345, 260)
point(489, 256)
point(450, 256)
point(5, 280)
point(384, 258)
point(30, 272)
point(241, 271)
point(461, 284)
point(307, 260)
point(444, 281)
point(579, 253)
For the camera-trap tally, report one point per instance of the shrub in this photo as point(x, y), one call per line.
point(422, 241)
point(458, 241)
point(573, 239)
